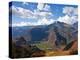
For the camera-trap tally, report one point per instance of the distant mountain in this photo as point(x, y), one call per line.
point(61, 31)
point(56, 34)
point(65, 33)
point(38, 33)
point(75, 25)
point(75, 30)
point(20, 31)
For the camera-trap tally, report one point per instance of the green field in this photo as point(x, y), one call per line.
point(44, 46)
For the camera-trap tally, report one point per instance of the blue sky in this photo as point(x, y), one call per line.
point(27, 13)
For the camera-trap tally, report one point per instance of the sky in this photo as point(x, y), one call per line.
point(29, 14)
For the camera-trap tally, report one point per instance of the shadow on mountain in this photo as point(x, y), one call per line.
point(23, 50)
point(53, 40)
point(72, 47)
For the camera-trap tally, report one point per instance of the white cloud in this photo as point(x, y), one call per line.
point(43, 6)
point(14, 10)
point(19, 24)
point(71, 15)
point(67, 19)
point(45, 14)
point(43, 10)
point(42, 21)
point(45, 21)
point(23, 24)
point(70, 11)
point(42, 14)
point(24, 13)
point(46, 8)
point(40, 6)
point(25, 3)
point(74, 19)
point(39, 16)
point(76, 11)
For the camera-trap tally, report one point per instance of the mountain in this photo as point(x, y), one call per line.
point(75, 25)
point(75, 30)
point(19, 31)
point(57, 38)
point(62, 31)
point(72, 47)
point(56, 34)
point(38, 33)
point(23, 50)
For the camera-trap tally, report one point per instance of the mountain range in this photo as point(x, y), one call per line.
point(57, 38)
point(56, 34)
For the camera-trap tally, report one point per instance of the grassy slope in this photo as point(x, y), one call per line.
point(43, 45)
point(59, 52)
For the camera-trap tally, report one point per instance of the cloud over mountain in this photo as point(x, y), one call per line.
point(43, 6)
point(40, 16)
point(43, 14)
point(44, 21)
point(71, 15)
point(70, 11)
